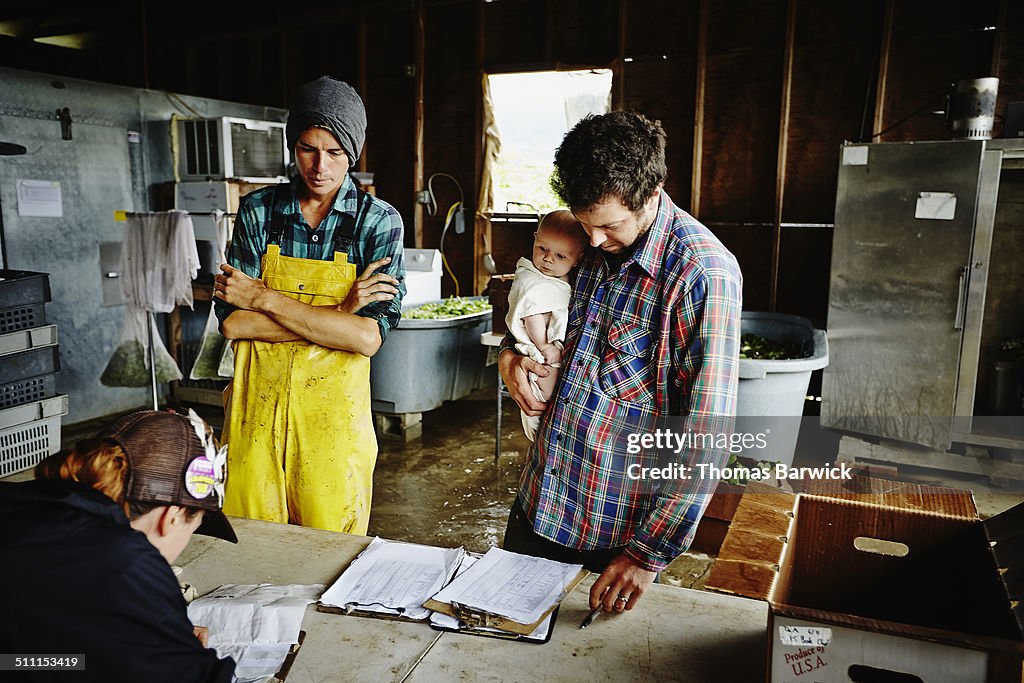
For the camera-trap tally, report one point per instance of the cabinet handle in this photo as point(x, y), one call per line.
point(961, 300)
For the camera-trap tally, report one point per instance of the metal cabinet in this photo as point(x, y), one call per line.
point(927, 278)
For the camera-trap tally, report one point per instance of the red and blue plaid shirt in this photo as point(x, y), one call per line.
point(655, 337)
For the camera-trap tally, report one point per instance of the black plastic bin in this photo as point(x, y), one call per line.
point(23, 317)
point(27, 390)
point(22, 287)
point(31, 363)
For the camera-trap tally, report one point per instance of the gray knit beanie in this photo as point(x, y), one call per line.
point(331, 104)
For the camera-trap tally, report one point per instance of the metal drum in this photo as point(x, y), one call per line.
point(972, 108)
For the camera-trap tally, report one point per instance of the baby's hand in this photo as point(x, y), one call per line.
point(552, 354)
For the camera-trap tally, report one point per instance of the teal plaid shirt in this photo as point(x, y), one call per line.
point(380, 235)
point(657, 336)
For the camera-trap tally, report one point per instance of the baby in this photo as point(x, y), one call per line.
point(538, 303)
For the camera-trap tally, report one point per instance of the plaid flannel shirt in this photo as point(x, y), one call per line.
point(659, 336)
point(380, 235)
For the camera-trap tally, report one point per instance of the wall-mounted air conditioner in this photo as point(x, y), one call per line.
point(228, 147)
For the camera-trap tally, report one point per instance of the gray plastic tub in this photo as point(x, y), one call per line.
point(776, 388)
point(424, 363)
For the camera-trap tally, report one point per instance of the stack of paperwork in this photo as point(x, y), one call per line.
point(392, 579)
point(257, 625)
point(501, 593)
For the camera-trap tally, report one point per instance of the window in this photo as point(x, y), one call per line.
point(529, 113)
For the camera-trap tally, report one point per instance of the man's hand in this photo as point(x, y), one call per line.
point(203, 634)
point(515, 371)
point(622, 578)
point(370, 287)
point(237, 288)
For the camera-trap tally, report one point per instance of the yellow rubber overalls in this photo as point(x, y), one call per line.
point(300, 431)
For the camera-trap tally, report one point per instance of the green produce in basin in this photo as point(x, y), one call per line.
point(452, 307)
point(755, 347)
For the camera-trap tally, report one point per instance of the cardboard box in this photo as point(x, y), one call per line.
point(874, 580)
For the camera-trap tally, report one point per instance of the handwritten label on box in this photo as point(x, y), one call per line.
point(805, 636)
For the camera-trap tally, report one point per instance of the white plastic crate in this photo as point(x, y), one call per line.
point(54, 406)
point(23, 340)
point(25, 445)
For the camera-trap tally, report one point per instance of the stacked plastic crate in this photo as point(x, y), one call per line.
point(30, 407)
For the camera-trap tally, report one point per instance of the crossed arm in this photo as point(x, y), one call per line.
point(266, 315)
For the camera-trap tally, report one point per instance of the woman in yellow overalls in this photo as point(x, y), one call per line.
point(301, 445)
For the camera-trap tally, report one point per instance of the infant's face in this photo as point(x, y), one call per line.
point(555, 254)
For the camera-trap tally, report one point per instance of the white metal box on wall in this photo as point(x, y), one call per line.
point(199, 197)
point(228, 147)
point(422, 276)
point(207, 196)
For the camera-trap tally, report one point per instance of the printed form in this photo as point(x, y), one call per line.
point(393, 578)
point(451, 623)
point(518, 587)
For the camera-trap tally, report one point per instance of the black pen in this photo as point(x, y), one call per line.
point(590, 618)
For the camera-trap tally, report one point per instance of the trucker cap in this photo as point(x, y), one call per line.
point(174, 461)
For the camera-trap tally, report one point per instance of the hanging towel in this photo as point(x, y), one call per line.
point(159, 260)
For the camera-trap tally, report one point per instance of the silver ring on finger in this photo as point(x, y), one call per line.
point(622, 598)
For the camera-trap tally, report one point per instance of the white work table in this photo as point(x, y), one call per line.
point(675, 634)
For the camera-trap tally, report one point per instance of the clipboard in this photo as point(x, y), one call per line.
point(504, 635)
point(475, 619)
point(354, 611)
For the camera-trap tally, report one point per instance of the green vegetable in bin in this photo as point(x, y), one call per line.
point(756, 347)
point(452, 307)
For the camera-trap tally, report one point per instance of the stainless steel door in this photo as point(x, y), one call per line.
point(901, 250)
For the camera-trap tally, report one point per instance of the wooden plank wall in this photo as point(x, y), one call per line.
point(451, 92)
point(1009, 55)
point(390, 95)
point(835, 53)
point(659, 76)
point(756, 95)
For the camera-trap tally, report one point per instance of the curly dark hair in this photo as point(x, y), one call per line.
point(620, 154)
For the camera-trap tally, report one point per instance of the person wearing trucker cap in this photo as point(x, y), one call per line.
point(87, 549)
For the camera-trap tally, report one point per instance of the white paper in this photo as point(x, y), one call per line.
point(255, 663)
point(254, 624)
point(40, 198)
point(394, 578)
point(518, 587)
point(855, 155)
point(940, 206)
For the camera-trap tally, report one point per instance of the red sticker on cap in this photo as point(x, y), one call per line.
point(199, 477)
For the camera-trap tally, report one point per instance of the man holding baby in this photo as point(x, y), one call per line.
point(653, 331)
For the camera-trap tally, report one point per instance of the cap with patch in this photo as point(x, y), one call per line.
point(174, 461)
